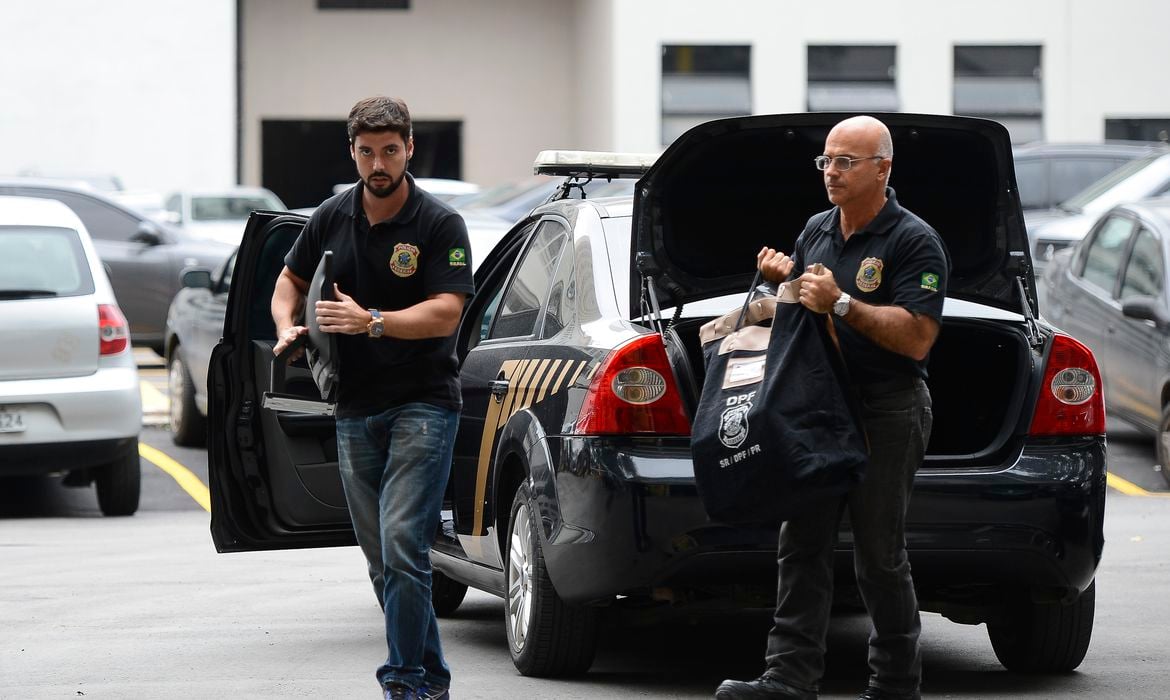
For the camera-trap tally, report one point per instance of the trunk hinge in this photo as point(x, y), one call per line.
point(1035, 338)
point(648, 298)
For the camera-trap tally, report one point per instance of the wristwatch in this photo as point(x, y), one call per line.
point(841, 306)
point(375, 328)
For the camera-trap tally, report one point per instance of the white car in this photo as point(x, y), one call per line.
point(218, 215)
point(70, 401)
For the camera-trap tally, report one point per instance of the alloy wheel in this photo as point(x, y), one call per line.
point(520, 583)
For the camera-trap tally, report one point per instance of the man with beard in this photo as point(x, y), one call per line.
point(402, 266)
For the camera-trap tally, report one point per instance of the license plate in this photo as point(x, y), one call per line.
point(11, 421)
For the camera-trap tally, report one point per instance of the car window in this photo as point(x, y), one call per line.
point(1032, 183)
point(1071, 175)
point(560, 296)
point(225, 276)
point(42, 262)
point(519, 309)
point(1144, 274)
point(1103, 257)
point(227, 208)
point(174, 204)
point(100, 219)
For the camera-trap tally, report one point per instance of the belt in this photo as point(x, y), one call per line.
point(889, 386)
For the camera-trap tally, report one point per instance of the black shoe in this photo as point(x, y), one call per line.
point(397, 691)
point(763, 688)
point(872, 693)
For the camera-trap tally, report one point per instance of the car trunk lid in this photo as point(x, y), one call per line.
point(726, 188)
point(48, 337)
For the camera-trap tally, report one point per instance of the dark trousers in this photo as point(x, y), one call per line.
point(897, 419)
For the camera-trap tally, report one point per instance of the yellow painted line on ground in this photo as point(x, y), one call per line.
point(187, 480)
point(1129, 488)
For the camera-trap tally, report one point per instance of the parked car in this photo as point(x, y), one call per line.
point(143, 257)
point(1111, 292)
point(1049, 173)
point(218, 214)
point(1051, 231)
point(512, 201)
point(194, 324)
point(572, 489)
point(69, 394)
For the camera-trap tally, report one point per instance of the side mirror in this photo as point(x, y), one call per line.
point(196, 278)
point(1144, 308)
point(147, 234)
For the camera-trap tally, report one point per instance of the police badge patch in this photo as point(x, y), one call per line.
point(869, 275)
point(404, 260)
point(733, 425)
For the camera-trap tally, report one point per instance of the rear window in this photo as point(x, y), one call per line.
point(228, 208)
point(42, 262)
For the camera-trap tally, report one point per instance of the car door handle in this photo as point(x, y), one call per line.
point(499, 389)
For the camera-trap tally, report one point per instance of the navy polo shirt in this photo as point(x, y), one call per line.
point(897, 259)
point(391, 265)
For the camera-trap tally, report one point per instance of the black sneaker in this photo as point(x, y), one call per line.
point(872, 693)
point(763, 688)
point(397, 691)
point(436, 693)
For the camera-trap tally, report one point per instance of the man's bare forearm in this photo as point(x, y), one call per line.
point(288, 303)
point(894, 328)
point(436, 317)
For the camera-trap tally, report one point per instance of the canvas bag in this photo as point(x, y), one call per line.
point(777, 431)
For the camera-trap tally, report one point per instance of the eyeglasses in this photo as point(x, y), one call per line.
point(840, 162)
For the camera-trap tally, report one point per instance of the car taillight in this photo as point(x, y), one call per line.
point(634, 392)
point(1071, 402)
point(113, 331)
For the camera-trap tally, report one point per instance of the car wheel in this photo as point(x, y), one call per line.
point(188, 425)
point(119, 484)
point(546, 636)
point(1044, 637)
point(1163, 444)
point(446, 593)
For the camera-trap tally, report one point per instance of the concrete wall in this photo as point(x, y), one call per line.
point(502, 67)
point(1099, 59)
point(142, 89)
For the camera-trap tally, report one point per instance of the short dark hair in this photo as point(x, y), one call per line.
point(379, 114)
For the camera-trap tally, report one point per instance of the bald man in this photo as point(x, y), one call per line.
point(884, 281)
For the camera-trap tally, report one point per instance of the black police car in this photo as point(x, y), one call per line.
point(572, 488)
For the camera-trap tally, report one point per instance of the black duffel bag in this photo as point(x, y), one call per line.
point(777, 431)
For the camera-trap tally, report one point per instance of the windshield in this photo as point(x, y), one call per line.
point(42, 262)
point(1137, 179)
point(230, 207)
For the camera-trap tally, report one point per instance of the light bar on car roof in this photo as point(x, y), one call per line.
point(593, 163)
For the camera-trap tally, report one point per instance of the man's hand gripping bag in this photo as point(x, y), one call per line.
point(776, 431)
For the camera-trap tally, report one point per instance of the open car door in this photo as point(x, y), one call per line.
point(272, 450)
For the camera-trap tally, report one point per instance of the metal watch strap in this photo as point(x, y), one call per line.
point(374, 328)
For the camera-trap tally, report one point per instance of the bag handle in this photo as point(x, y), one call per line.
point(748, 301)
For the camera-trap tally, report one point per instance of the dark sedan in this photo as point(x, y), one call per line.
point(1110, 291)
point(572, 489)
point(143, 257)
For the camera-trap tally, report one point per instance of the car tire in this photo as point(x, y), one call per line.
point(547, 637)
point(1163, 444)
point(446, 593)
point(119, 484)
point(188, 425)
point(1044, 637)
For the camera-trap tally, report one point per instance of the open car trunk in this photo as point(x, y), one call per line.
point(979, 373)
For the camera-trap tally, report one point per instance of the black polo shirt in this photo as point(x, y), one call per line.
point(897, 259)
point(392, 265)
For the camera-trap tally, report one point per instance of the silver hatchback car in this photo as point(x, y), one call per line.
point(69, 395)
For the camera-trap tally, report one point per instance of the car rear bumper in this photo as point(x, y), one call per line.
point(634, 522)
point(75, 418)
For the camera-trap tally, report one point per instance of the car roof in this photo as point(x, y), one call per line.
point(37, 211)
point(1104, 148)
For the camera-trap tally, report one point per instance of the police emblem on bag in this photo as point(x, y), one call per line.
point(733, 425)
point(869, 275)
point(404, 260)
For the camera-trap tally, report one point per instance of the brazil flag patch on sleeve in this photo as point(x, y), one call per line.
point(457, 257)
point(929, 281)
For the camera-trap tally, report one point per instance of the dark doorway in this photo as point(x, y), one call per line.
point(1138, 129)
point(301, 160)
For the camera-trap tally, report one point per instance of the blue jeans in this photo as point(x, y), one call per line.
point(394, 467)
point(897, 424)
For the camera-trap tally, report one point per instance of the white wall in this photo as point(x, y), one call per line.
point(1099, 59)
point(502, 67)
point(142, 89)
